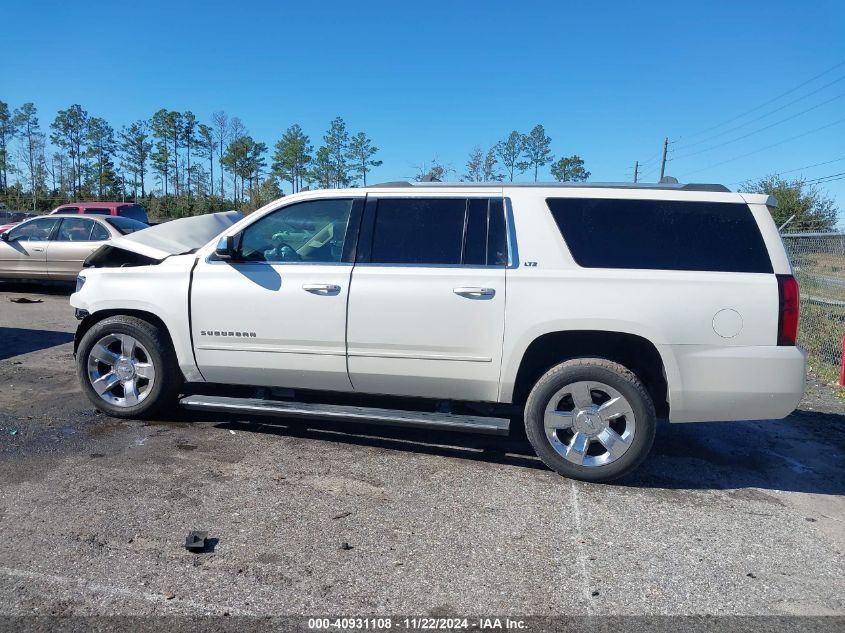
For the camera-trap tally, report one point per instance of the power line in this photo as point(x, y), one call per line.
point(757, 131)
point(791, 171)
point(827, 178)
point(763, 149)
point(762, 116)
point(772, 100)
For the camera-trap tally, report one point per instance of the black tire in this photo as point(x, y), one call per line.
point(165, 388)
point(597, 370)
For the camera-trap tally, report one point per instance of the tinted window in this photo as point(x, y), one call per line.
point(475, 236)
point(97, 211)
point(485, 243)
point(437, 231)
point(661, 235)
point(67, 210)
point(419, 231)
point(33, 231)
point(75, 230)
point(99, 233)
point(135, 212)
point(125, 225)
point(497, 240)
point(306, 232)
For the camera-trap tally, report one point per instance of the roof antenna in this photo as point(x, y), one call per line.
point(668, 180)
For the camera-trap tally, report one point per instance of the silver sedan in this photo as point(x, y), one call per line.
point(55, 246)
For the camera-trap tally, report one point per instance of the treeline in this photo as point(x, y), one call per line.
point(515, 155)
point(173, 162)
point(177, 165)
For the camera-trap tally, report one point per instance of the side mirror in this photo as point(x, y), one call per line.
point(4, 236)
point(226, 248)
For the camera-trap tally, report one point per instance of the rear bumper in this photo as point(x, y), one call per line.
point(734, 383)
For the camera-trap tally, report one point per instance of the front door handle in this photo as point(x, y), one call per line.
point(474, 292)
point(37, 250)
point(321, 289)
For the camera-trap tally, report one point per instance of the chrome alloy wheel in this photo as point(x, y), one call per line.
point(120, 370)
point(589, 423)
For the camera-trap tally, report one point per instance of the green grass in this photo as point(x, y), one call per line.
point(820, 333)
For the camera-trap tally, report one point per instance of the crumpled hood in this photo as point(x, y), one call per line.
point(176, 237)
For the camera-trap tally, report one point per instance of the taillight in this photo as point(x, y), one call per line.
point(788, 310)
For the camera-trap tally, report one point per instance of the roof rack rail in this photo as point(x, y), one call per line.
point(670, 186)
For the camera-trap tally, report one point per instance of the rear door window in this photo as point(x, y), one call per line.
point(419, 231)
point(661, 234)
point(97, 210)
point(75, 230)
point(438, 232)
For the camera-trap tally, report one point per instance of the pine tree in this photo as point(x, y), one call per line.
point(475, 166)
point(189, 140)
point(206, 146)
point(69, 129)
point(135, 146)
point(32, 142)
point(337, 142)
point(7, 132)
point(101, 146)
point(360, 154)
point(536, 149)
point(292, 157)
point(489, 171)
point(509, 151)
point(570, 169)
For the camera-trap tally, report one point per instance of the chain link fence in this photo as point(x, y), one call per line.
point(818, 260)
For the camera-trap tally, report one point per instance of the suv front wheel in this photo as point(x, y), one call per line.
point(590, 419)
point(127, 367)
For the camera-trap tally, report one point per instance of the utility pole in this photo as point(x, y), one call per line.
point(636, 168)
point(663, 162)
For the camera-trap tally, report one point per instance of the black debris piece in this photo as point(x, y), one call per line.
point(345, 545)
point(24, 300)
point(196, 541)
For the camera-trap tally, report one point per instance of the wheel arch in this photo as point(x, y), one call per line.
point(92, 319)
point(633, 351)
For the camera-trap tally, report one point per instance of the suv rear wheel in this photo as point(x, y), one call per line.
point(127, 367)
point(590, 419)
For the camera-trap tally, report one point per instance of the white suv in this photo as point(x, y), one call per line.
point(589, 309)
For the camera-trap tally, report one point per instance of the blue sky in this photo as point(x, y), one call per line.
point(430, 80)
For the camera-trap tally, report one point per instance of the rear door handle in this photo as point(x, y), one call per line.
point(474, 292)
point(321, 289)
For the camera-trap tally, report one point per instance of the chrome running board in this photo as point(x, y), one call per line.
point(366, 415)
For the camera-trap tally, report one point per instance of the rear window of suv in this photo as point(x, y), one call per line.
point(661, 235)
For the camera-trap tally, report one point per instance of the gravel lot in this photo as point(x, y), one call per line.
point(724, 518)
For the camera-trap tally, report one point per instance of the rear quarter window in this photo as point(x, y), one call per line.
point(661, 235)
